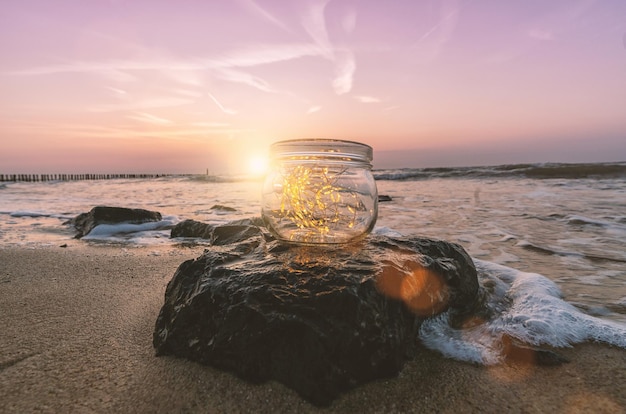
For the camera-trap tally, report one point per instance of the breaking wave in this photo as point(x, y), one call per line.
point(539, 171)
point(531, 311)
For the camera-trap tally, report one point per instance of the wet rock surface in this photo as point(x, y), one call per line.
point(321, 320)
point(85, 222)
point(220, 207)
point(218, 235)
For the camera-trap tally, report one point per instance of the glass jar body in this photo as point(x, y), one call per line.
point(320, 192)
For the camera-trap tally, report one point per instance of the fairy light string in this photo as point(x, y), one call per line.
point(312, 199)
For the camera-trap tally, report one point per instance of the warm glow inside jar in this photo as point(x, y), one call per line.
point(320, 191)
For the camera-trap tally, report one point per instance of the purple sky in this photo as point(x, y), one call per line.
point(182, 86)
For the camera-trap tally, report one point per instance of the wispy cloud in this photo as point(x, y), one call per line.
point(139, 105)
point(117, 91)
point(344, 70)
point(225, 67)
point(228, 66)
point(211, 124)
point(238, 76)
point(149, 118)
point(447, 21)
point(256, 9)
point(102, 67)
point(314, 109)
point(227, 111)
point(261, 54)
point(314, 23)
point(366, 99)
point(182, 132)
point(435, 38)
point(247, 57)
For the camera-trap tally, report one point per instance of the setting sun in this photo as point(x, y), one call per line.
point(257, 165)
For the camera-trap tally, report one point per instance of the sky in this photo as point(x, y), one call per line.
point(158, 86)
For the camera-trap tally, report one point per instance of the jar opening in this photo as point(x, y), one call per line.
point(316, 148)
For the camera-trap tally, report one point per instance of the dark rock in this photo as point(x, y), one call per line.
point(383, 198)
point(218, 235)
point(321, 320)
point(223, 208)
point(191, 228)
point(85, 222)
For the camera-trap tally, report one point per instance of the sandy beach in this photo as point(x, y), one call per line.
point(77, 337)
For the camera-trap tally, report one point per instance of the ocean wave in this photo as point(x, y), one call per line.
point(538, 171)
point(531, 311)
point(582, 220)
point(552, 251)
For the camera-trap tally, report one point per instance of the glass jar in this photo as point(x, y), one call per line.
point(320, 191)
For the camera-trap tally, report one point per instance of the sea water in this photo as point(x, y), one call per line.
point(550, 238)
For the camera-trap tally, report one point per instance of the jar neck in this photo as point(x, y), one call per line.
point(322, 151)
point(313, 161)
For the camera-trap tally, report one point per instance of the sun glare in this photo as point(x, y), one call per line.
point(257, 165)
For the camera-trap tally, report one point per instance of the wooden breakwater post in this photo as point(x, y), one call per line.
point(78, 177)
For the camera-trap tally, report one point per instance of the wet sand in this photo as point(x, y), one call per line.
point(77, 327)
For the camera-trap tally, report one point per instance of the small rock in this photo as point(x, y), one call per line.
point(222, 208)
point(85, 222)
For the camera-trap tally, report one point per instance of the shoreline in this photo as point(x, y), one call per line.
point(78, 325)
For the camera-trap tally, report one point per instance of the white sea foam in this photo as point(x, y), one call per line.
point(581, 220)
point(507, 237)
point(534, 313)
point(109, 231)
point(386, 231)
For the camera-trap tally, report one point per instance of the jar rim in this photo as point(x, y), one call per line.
point(328, 147)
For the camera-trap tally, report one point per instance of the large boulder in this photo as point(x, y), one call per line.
point(321, 320)
point(85, 222)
